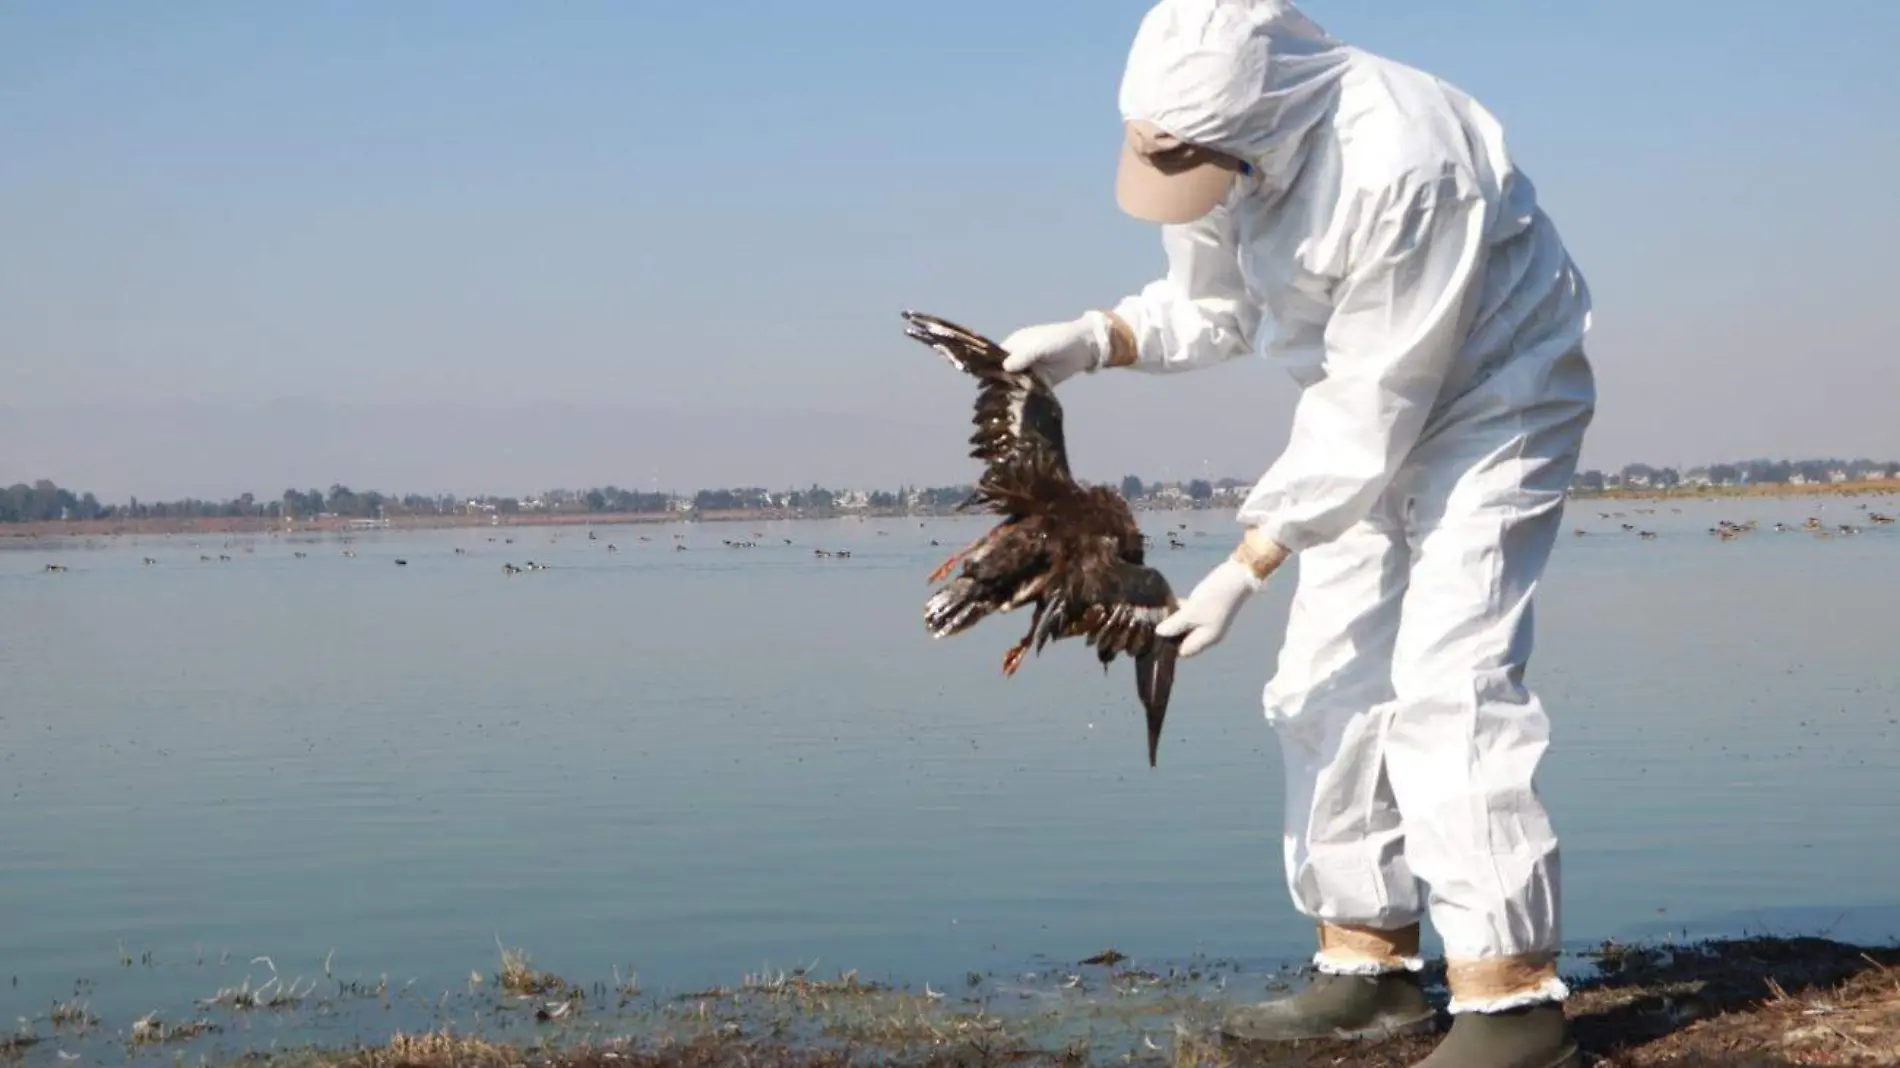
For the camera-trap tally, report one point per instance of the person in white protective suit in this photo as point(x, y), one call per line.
point(1360, 223)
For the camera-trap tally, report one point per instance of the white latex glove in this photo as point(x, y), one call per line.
point(1057, 351)
point(1210, 607)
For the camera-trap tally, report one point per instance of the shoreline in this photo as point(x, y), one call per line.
point(1761, 1002)
point(262, 525)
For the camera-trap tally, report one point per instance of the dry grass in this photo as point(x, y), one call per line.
point(1752, 1003)
point(74, 1017)
point(1763, 1002)
point(273, 993)
point(149, 1030)
point(518, 976)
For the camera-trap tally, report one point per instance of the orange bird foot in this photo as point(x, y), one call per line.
point(1014, 658)
point(944, 569)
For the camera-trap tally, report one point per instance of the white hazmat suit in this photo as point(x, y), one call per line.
point(1381, 247)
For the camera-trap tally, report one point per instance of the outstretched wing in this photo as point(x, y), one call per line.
point(1018, 421)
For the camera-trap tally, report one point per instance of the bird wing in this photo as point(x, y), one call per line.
point(1018, 421)
point(1113, 603)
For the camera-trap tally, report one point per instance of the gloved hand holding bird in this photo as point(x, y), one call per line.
point(1073, 551)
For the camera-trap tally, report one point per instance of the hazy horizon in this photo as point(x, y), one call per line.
point(471, 248)
point(426, 449)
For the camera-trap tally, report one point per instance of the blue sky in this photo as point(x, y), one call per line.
point(500, 247)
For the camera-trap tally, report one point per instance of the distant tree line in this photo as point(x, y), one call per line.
point(44, 501)
point(1743, 473)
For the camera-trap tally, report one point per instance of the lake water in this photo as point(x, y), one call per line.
point(690, 764)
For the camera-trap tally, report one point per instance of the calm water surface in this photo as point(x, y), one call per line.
point(694, 763)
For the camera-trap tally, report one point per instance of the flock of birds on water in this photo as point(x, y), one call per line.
point(1173, 537)
point(507, 568)
point(1729, 530)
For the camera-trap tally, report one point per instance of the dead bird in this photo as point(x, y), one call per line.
point(1072, 550)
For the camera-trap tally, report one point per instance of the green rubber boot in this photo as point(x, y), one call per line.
point(1353, 1007)
point(1534, 1037)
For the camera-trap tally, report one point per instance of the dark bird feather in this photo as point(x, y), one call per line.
point(1071, 551)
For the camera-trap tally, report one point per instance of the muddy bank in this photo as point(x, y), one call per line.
point(1750, 1003)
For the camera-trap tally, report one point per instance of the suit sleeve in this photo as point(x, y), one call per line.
point(1198, 314)
point(1399, 320)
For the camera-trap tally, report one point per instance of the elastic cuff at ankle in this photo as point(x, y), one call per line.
point(1500, 984)
point(1355, 949)
point(1333, 965)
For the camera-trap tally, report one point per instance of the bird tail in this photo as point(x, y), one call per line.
point(955, 608)
point(1154, 681)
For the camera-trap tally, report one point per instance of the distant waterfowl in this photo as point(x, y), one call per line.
point(400, 562)
point(55, 569)
point(1073, 551)
point(510, 569)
